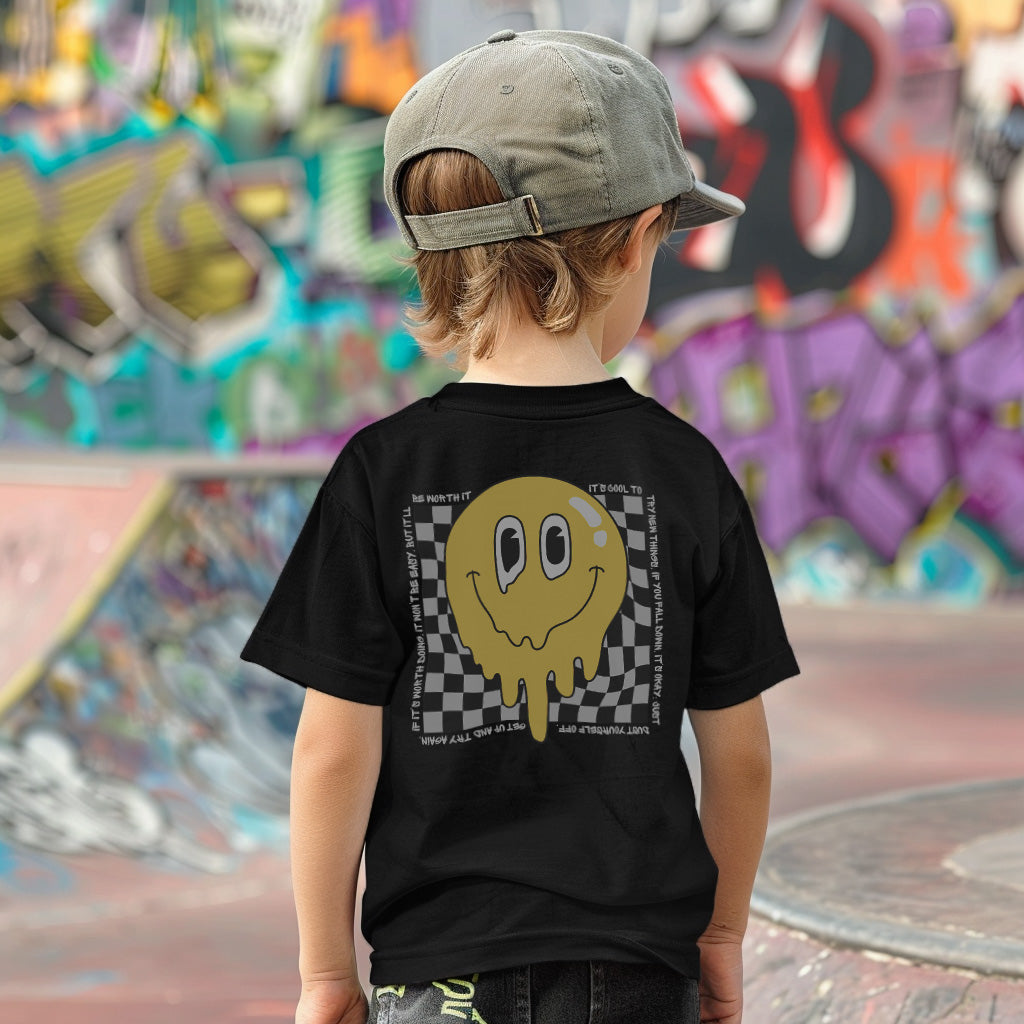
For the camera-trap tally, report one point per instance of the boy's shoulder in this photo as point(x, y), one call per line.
point(369, 443)
point(684, 427)
point(398, 421)
point(690, 437)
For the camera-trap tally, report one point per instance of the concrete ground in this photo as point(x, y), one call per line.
point(889, 698)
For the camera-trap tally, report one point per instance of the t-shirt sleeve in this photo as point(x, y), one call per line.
point(740, 646)
point(325, 624)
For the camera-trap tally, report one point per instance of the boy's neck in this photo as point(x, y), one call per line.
point(526, 356)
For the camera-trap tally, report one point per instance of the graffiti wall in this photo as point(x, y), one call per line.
point(198, 255)
point(144, 736)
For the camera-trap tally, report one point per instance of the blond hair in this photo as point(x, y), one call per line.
point(471, 296)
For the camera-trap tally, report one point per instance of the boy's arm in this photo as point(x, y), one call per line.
point(335, 766)
point(735, 789)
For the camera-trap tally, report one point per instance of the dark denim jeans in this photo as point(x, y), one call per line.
point(547, 992)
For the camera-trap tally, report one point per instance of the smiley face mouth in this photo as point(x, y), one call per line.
point(595, 569)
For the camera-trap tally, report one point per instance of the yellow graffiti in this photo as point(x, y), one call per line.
point(50, 49)
point(979, 17)
point(125, 232)
point(746, 399)
point(458, 1001)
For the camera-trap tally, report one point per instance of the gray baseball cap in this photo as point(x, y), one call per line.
point(576, 128)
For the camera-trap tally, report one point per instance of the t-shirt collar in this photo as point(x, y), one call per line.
point(537, 400)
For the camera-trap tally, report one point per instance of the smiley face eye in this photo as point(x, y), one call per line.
point(509, 550)
point(555, 546)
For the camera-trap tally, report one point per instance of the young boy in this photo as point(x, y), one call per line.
point(507, 593)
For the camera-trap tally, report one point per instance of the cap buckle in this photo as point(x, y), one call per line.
point(531, 206)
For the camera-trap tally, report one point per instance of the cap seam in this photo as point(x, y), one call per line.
point(593, 130)
point(440, 100)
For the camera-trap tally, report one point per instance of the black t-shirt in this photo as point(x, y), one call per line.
point(534, 581)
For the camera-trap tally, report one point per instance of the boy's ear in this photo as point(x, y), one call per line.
point(631, 254)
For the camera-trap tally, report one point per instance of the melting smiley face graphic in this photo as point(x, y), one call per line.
point(535, 570)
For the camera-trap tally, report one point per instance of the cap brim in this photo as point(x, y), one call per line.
point(704, 204)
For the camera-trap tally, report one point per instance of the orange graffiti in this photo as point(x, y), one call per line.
point(927, 244)
point(991, 17)
point(378, 72)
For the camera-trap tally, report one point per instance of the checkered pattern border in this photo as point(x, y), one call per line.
point(456, 697)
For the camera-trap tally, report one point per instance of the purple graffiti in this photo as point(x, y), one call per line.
point(852, 424)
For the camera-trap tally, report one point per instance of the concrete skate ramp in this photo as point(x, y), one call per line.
point(902, 907)
point(64, 533)
point(144, 768)
point(934, 874)
point(142, 730)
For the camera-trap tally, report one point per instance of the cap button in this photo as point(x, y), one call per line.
point(502, 37)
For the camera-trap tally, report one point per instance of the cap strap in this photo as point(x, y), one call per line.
point(495, 223)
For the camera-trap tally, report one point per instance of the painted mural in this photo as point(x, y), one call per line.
point(199, 256)
point(144, 737)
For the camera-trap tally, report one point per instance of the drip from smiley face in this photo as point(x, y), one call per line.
point(535, 571)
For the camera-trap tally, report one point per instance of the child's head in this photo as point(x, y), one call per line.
point(472, 295)
point(535, 175)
